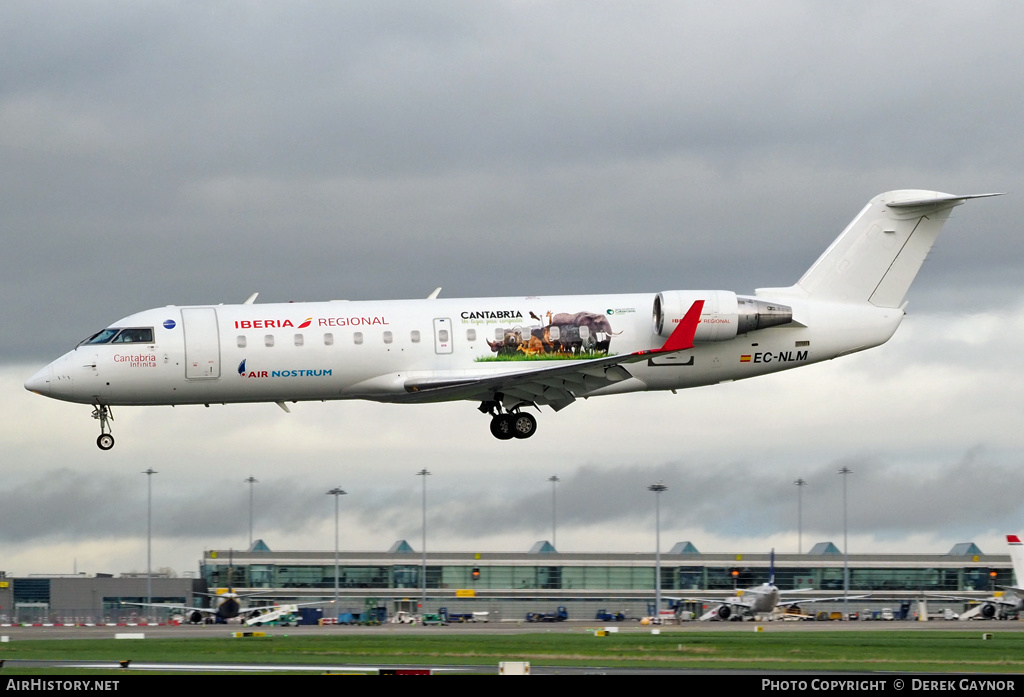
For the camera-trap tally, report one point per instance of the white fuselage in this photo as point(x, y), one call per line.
point(510, 353)
point(376, 349)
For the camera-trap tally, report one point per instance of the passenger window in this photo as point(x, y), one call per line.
point(470, 335)
point(442, 336)
point(241, 342)
point(554, 332)
point(357, 337)
point(415, 336)
point(328, 339)
point(499, 334)
point(298, 340)
point(387, 337)
point(268, 340)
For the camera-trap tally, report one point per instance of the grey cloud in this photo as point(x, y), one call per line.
point(164, 153)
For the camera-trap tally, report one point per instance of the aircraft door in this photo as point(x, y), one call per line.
point(442, 335)
point(202, 343)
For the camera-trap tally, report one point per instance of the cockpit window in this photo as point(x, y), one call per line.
point(134, 335)
point(142, 335)
point(101, 337)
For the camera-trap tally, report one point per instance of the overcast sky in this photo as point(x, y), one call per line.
point(195, 152)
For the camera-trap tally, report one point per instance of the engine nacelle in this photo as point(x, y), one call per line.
point(724, 612)
point(988, 611)
point(724, 315)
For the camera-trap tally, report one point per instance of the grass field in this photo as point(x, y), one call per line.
point(912, 652)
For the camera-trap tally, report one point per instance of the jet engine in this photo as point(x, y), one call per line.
point(724, 315)
point(724, 612)
point(988, 611)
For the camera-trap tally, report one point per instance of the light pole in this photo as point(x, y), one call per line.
point(554, 528)
point(423, 570)
point(336, 492)
point(846, 554)
point(800, 484)
point(149, 534)
point(657, 489)
point(250, 481)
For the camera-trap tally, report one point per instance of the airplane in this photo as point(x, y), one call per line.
point(228, 607)
point(1009, 602)
point(759, 600)
point(512, 353)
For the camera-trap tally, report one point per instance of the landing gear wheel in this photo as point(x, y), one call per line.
point(523, 425)
point(501, 426)
point(102, 413)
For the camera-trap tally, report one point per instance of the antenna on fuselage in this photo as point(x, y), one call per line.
point(433, 296)
point(251, 299)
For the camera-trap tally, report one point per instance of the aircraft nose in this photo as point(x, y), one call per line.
point(55, 381)
point(41, 381)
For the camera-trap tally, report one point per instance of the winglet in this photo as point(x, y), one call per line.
point(682, 336)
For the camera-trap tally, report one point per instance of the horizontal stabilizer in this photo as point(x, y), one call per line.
point(940, 198)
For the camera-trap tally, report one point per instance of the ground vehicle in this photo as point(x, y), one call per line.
point(559, 615)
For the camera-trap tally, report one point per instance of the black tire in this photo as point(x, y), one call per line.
point(105, 441)
point(501, 426)
point(523, 425)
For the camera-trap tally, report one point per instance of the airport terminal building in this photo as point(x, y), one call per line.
point(508, 585)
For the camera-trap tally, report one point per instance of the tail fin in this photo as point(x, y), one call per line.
point(1017, 558)
point(878, 255)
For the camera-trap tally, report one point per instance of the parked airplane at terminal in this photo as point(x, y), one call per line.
point(509, 353)
point(1008, 602)
point(760, 600)
point(228, 606)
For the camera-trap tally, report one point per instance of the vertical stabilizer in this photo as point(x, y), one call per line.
point(878, 255)
point(1017, 558)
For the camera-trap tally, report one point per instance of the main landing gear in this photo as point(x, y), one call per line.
point(510, 424)
point(102, 412)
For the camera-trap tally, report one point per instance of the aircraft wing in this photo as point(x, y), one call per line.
point(554, 386)
point(174, 606)
point(1008, 600)
point(737, 602)
point(789, 602)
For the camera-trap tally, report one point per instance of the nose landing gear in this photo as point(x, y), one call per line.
point(105, 441)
